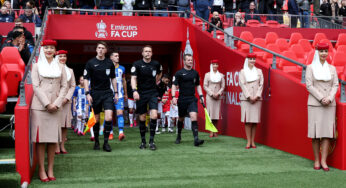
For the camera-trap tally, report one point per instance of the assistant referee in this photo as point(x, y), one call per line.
point(100, 71)
point(186, 79)
point(144, 75)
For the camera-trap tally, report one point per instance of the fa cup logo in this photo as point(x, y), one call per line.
point(101, 30)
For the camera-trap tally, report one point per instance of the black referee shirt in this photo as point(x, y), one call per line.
point(187, 80)
point(146, 74)
point(99, 72)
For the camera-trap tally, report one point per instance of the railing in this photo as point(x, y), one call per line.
point(110, 12)
point(34, 54)
point(232, 38)
point(289, 20)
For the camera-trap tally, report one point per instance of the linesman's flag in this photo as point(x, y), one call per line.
point(91, 122)
point(208, 123)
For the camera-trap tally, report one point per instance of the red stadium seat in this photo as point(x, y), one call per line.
point(305, 44)
point(245, 35)
point(341, 40)
point(3, 89)
point(260, 42)
point(282, 44)
point(15, 67)
point(288, 66)
point(341, 48)
point(253, 23)
point(268, 57)
point(295, 37)
point(271, 38)
point(339, 61)
point(318, 38)
point(299, 52)
point(272, 23)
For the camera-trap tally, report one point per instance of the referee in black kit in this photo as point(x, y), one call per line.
point(186, 79)
point(100, 71)
point(144, 75)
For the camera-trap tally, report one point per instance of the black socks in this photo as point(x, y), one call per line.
point(107, 130)
point(194, 129)
point(153, 123)
point(142, 130)
point(96, 129)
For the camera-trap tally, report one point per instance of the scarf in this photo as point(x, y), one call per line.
point(48, 70)
point(250, 74)
point(320, 72)
point(214, 77)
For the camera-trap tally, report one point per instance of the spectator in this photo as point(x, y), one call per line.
point(230, 6)
point(218, 5)
point(86, 4)
point(143, 5)
point(216, 21)
point(184, 5)
point(27, 34)
point(335, 11)
point(161, 5)
point(342, 10)
point(30, 17)
point(244, 5)
point(252, 13)
point(172, 5)
point(304, 7)
point(106, 5)
point(9, 9)
point(326, 8)
point(326, 12)
point(4, 15)
point(203, 8)
point(31, 3)
point(239, 20)
point(18, 41)
point(64, 4)
point(274, 7)
point(21, 29)
point(127, 5)
point(293, 11)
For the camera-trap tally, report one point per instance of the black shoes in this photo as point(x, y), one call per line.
point(107, 147)
point(152, 146)
point(198, 142)
point(142, 146)
point(97, 146)
point(178, 140)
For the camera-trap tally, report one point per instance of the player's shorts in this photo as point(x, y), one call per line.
point(159, 107)
point(102, 98)
point(187, 105)
point(131, 103)
point(120, 104)
point(145, 100)
point(173, 111)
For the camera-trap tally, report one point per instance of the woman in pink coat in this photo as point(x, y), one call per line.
point(50, 87)
point(251, 83)
point(67, 102)
point(322, 84)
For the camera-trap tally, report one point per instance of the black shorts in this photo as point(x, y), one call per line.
point(146, 100)
point(102, 98)
point(187, 105)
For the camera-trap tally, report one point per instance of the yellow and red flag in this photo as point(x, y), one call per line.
point(208, 123)
point(91, 122)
